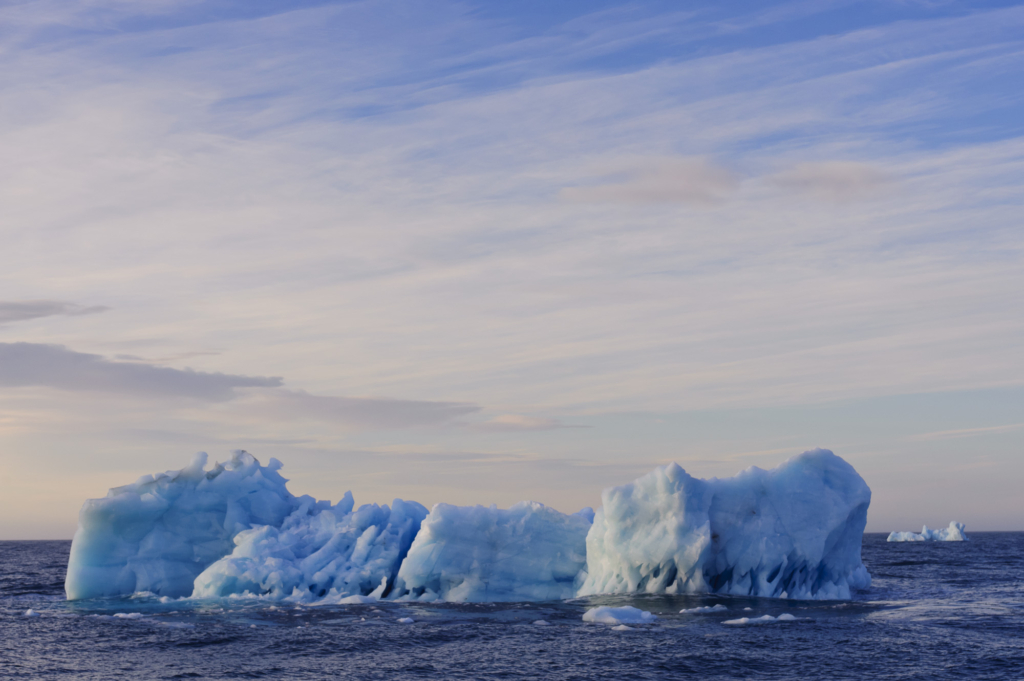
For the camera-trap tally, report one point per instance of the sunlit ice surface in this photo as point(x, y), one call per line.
point(790, 532)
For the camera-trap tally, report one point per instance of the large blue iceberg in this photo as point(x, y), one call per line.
point(236, 531)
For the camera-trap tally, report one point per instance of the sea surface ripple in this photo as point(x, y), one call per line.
point(935, 611)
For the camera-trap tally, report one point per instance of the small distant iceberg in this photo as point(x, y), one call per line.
point(955, 532)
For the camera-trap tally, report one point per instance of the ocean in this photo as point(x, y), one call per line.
point(935, 610)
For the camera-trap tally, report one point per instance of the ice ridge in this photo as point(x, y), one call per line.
point(318, 554)
point(236, 531)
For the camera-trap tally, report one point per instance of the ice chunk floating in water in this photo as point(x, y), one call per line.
point(625, 615)
point(236, 530)
point(955, 532)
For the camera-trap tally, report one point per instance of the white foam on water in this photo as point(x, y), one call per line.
point(764, 619)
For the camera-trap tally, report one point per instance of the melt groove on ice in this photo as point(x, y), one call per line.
point(236, 531)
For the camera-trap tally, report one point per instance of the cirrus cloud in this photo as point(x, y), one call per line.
point(659, 180)
point(517, 422)
point(365, 412)
point(17, 311)
point(55, 366)
point(836, 181)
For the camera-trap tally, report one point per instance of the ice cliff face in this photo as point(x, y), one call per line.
point(476, 554)
point(791, 532)
point(159, 533)
point(235, 530)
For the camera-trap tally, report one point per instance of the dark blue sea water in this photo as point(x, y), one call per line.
point(935, 611)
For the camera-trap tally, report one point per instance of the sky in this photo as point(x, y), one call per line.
point(481, 252)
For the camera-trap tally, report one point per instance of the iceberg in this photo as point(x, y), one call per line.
point(791, 532)
point(529, 552)
point(955, 532)
point(236, 531)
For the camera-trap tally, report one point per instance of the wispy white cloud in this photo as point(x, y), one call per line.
point(660, 180)
point(520, 422)
point(965, 432)
point(16, 311)
point(418, 223)
point(125, 357)
point(839, 181)
point(448, 210)
point(362, 412)
point(54, 366)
